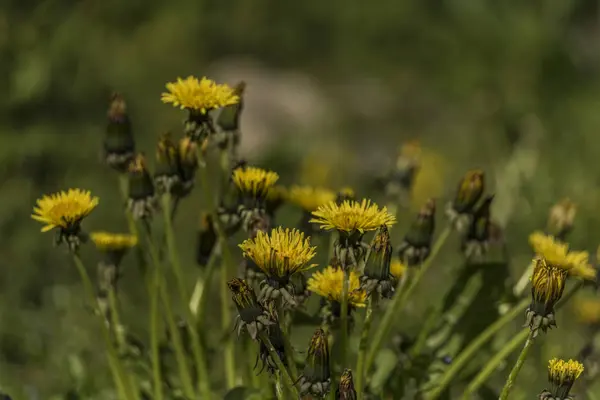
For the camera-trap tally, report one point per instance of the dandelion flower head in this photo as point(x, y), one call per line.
point(106, 241)
point(350, 216)
point(64, 209)
point(328, 283)
point(310, 198)
point(201, 95)
point(254, 181)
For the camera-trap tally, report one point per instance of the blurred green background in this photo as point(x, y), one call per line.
point(334, 87)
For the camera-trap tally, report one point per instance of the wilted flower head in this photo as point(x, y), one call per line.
point(561, 218)
point(142, 198)
point(280, 254)
point(547, 286)
point(254, 183)
point(119, 145)
point(562, 375)
point(377, 276)
point(188, 159)
point(352, 216)
point(316, 377)
point(557, 254)
point(470, 189)
point(345, 390)
point(252, 315)
point(201, 95)
point(65, 210)
point(416, 246)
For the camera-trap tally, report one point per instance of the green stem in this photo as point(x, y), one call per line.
point(492, 364)
point(287, 346)
point(278, 389)
point(154, 336)
point(289, 383)
point(400, 299)
point(180, 354)
point(512, 377)
point(197, 348)
point(508, 348)
point(226, 317)
point(362, 349)
point(199, 297)
point(119, 376)
point(344, 318)
point(465, 356)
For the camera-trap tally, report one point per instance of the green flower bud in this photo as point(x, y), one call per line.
point(316, 377)
point(119, 145)
point(416, 246)
point(345, 390)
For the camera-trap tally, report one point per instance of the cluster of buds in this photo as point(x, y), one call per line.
point(176, 165)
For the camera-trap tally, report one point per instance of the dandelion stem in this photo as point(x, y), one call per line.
point(508, 348)
point(400, 299)
point(121, 380)
point(512, 377)
point(199, 297)
point(289, 383)
point(197, 350)
point(287, 346)
point(344, 317)
point(180, 354)
point(226, 318)
point(362, 349)
point(154, 339)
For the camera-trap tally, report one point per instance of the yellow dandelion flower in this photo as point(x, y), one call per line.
point(254, 181)
point(64, 209)
point(106, 241)
point(397, 268)
point(328, 283)
point(350, 216)
point(558, 254)
point(199, 95)
point(310, 198)
point(588, 310)
point(281, 253)
point(561, 372)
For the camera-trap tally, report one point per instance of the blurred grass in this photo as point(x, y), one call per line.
point(510, 87)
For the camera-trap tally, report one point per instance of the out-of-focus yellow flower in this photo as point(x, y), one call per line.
point(280, 254)
point(351, 216)
point(254, 181)
point(561, 217)
point(310, 198)
point(200, 95)
point(328, 283)
point(557, 254)
point(397, 268)
point(587, 310)
point(106, 241)
point(64, 209)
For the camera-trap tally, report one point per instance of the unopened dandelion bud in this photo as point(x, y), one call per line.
point(166, 175)
point(252, 315)
point(188, 164)
point(561, 375)
point(206, 240)
point(469, 192)
point(561, 218)
point(481, 230)
point(345, 390)
point(416, 246)
point(119, 145)
point(377, 276)
point(277, 339)
point(316, 376)
point(401, 178)
point(142, 197)
point(547, 286)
